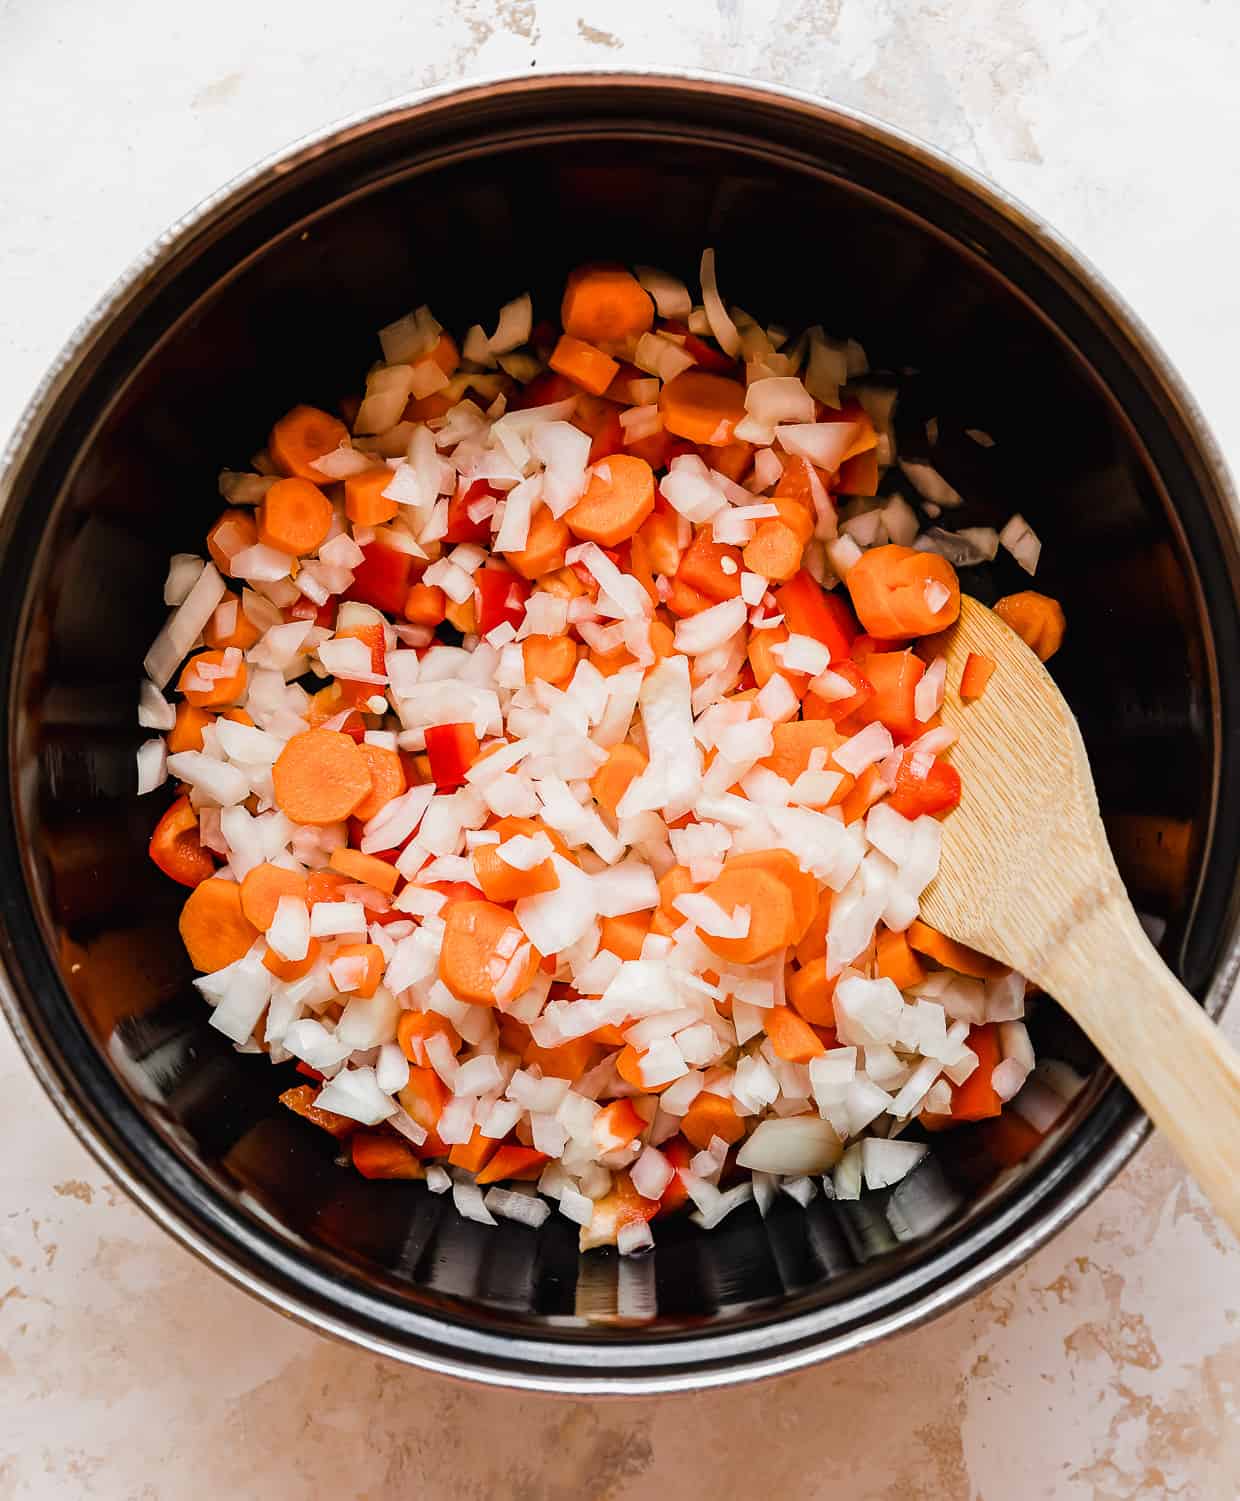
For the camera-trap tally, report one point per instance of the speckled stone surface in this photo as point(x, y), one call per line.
point(1108, 1366)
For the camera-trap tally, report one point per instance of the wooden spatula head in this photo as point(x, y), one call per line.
point(1025, 856)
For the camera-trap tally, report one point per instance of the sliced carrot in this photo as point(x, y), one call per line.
point(791, 1036)
point(300, 1100)
point(702, 407)
point(1008, 1138)
point(463, 615)
point(795, 743)
point(611, 781)
point(1036, 618)
point(219, 691)
point(605, 304)
point(774, 551)
point(387, 780)
point(771, 915)
point(813, 944)
point(474, 1154)
point(371, 956)
point(368, 869)
point(424, 1096)
point(786, 869)
point(262, 889)
point(811, 993)
point(976, 674)
point(230, 626)
point(413, 1028)
point(673, 883)
point(869, 788)
point(479, 942)
point(232, 533)
point(186, 733)
point(709, 1116)
point(425, 604)
point(300, 437)
point(897, 961)
point(625, 935)
point(295, 517)
point(382, 1154)
point(895, 592)
point(512, 1164)
point(797, 515)
point(502, 882)
point(549, 659)
point(952, 955)
point(661, 534)
point(364, 501)
point(548, 540)
point(618, 498)
point(570, 1060)
point(975, 1099)
point(684, 601)
point(293, 969)
point(320, 777)
point(214, 929)
point(894, 676)
point(583, 364)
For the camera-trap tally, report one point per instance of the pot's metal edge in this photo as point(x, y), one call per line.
point(131, 282)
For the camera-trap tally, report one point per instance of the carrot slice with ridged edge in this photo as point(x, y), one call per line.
point(320, 777)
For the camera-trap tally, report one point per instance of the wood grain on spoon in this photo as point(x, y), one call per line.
point(1027, 876)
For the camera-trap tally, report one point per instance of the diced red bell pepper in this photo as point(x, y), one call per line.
point(543, 391)
point(499, 594)
point(706, 355)
point(176, 848)
point(701, 568)
point(452, 749)
point(382, 578)
point(357, 827)
point(306, 609)
point(457, 891)
point(607, 438)
point(310, 1073)
point(859, 475)
point(461, 527)
point(678, 1152)
point(809, 610)
point(934, 791)
point(839, 709)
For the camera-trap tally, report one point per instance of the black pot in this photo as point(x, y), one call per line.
point(270, 294)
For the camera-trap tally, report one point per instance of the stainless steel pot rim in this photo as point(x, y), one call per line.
point(582, 1367)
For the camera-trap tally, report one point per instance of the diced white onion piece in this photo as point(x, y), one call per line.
point(516, 321)
point(779, 399)
point(671, 296)
point(184, 626)
point(928, 694)
point(930, 484)
point(865, 748)
point(886, 1162)
point(824, 444)
point(1022, 542)
point(152, 765)
point(355, 1092)
point(721, 325)
point(337, 920)
point(791, 1146)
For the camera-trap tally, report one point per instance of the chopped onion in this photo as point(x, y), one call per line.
point(793, 1146)
point(184, 626)
point(152, 765)
point(721, 326)
point(1022, 542)
point(671, 296)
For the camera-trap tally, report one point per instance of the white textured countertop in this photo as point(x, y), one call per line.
point(1108, 1366)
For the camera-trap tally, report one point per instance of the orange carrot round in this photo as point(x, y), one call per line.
point(702, 407)
point(711, 1115)
point(952, 955)
point(320, 777)
point(774, 550)
point(605, 304)
point(611, 781)
point(234, 531)
point(784, 867)
point(364, 501)
point(811, 993)
point(219, 691)
point(618, 499)
point(583, 364)
point(368, 869)
point(479, 941)
point(300, 437)
point(242, 634)
point(262, 889)
point(1036, 618)
point(292, 969)
point(426, 604)
point(549, 659)
point(414, 1027)
point(545, 546)
point(895, 592)
point(771, 916)
point(793, 1039)
point(214, 929)
point(387, 780)
point(295, 517)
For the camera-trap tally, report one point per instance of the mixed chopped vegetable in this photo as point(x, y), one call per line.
point(560, 767)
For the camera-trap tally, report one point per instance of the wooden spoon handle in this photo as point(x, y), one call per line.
point(1177, 1063)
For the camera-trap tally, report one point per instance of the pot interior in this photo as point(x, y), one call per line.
point(275, 300)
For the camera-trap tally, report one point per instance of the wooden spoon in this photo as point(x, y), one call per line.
point(1027, 876)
